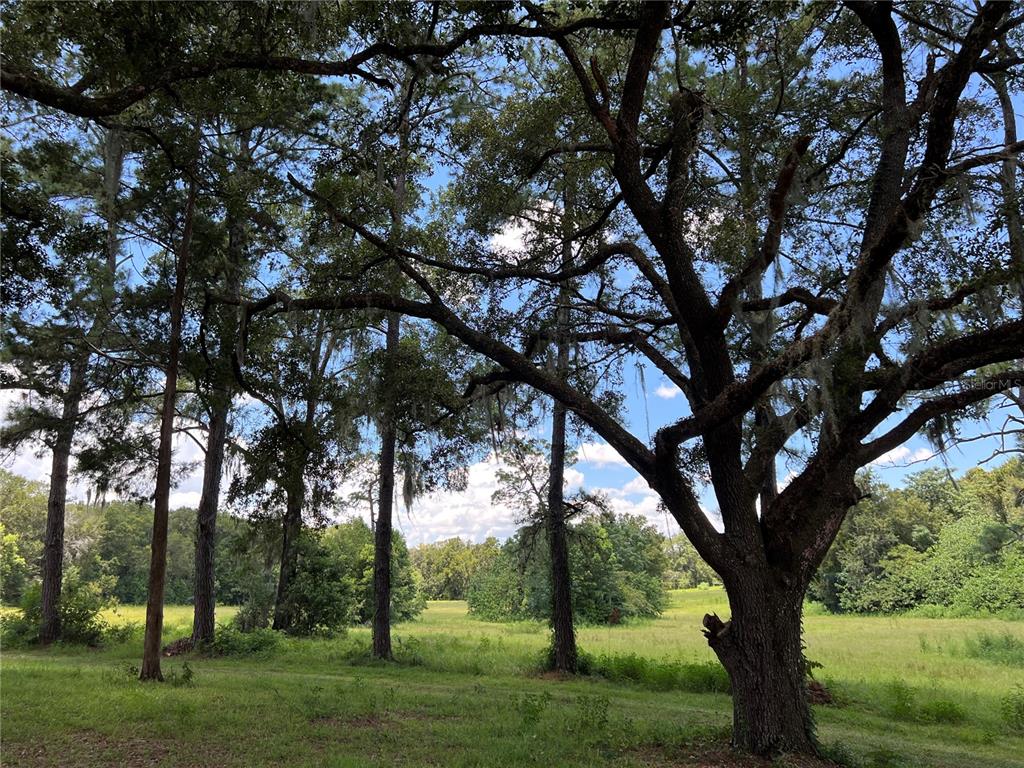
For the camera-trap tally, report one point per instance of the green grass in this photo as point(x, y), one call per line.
point(465, 693)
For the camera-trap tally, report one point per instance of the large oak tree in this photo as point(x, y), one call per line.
point(796, 247)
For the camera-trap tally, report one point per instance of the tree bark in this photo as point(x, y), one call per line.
point(206, 526)
point(56, 506)
point(563, 637)
point(385, 504)
point(762, 651)
point(292, 529)
point(161, 502)
point(205, 599)
point(564, 658)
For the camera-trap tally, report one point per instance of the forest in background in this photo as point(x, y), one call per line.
point(941, 545)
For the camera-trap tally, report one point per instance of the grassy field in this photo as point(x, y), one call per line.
point(910, 691)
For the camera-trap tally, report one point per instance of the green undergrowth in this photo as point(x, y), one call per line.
point(921, 692)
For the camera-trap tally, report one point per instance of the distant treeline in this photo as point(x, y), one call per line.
point(939, 544)
point(107, 545)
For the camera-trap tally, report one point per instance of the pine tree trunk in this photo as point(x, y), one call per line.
point(761, 649)
point(56, 506)
point(161, 501)
point(205, 600)
point(292, 530)
point(206, 526)
point(385, 505)
point(563, 636)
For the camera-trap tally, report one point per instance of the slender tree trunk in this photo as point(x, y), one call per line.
point(563, 637)
point(161, 502)
point(206, 526)
point(1008, 182)
point(761, 649)
point(385, 505)
point(205, 600)
point(56, 506)
point(1011, 201)
point(292, 530)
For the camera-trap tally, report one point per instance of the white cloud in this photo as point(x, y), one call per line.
point(511, 237)
point(668, 391)
point(600, 455)
point(469, 513)
point(573, 479)
point(517, 230)
point(902, 456)
point(638, 485)
point(185, 499)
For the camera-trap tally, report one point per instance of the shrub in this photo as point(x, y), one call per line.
point(80, 605)
point(697, 677)
point(14, 570)
point(122, 633)
point(901, 700)
point(258, 605)
point(322, 593)
point(616, 562)
point(941, 711)
point(1012, 709)
point(1001, 649)
point(231, 641)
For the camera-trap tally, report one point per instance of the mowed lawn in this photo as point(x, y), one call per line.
point(466, 693)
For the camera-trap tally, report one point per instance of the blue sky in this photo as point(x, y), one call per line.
point(650, 403)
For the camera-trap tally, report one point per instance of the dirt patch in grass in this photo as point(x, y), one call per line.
point(375, 720)
point(720, 756)
point(89, 749)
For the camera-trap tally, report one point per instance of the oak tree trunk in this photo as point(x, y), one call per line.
point(56, 506)
point(385, 505)
point(761, 649)
point(161, 501)
point(206, 526)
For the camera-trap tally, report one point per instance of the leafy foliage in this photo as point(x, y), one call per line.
point(80, 605)
point(449, 567)
point(952, 544)
point(617, 567)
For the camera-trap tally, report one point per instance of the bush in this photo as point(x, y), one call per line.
point(698, 677)
point(616, 563)
point(228, 640)
point(941, 711)
point(1001, 649)
point(321, 596)
point(1012, 709)
point(80, 605)
point(14, 570)
point(123, 633)
point(901, 701)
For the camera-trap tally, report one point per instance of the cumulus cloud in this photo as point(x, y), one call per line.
point(600, 455)
point(469, 513)
point(511, 237)
point(515, 232)
point(573, 479)
point(668, 391)
point(901, 456)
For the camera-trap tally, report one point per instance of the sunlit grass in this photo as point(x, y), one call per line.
point(466, 692)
